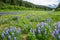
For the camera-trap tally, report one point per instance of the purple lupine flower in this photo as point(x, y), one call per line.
point(56, 31)
point(7, 31)
point(15, 38)
point(53, 35)
point(59, 37)
point(32, 31)
point(42, 24)
point(14, 28)
point(11, 29)
point(58, 24)
point(9, 37)
point(12, 34)
point(49, 20)
point(18, 30)
point(3, 35)
point(39, 31)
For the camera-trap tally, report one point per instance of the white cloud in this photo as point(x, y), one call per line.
point(44, 2)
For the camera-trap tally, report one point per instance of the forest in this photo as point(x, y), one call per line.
point(21, 5)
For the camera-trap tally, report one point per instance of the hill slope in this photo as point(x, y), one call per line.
point(22, 5)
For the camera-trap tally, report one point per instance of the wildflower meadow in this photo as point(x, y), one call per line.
point(30, 26)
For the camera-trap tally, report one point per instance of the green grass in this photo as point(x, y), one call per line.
point(29, 19)
point(9, 8)
point(32, 15)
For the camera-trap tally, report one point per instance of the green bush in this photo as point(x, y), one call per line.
point(31, 37)
point(58, 9)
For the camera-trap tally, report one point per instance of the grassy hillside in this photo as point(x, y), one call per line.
point(25, 6)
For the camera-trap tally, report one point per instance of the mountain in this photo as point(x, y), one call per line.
point(58, 8)
point(53, 6)
point(31, 5)
point(24, 4)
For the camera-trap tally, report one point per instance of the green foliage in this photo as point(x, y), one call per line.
point(20, 4)
point(24, 22)
point(58, 8)
point(59, 5)
point(31, 37)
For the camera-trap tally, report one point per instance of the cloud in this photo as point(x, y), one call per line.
point(43, 2)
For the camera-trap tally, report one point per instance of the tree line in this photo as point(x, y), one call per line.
point(26, 4)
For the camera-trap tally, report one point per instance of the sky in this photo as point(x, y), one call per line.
point(51, 3)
